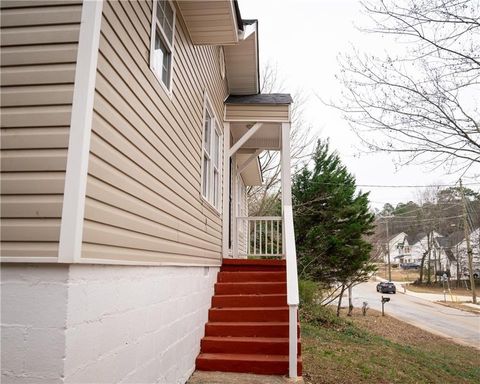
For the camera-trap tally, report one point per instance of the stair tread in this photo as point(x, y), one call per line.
point(253, 272)
point(244, 357)
point(248, 339)
point(244, 323)
point(252, 262)
point(283, 308)
point(252, 282)
point(253, 294)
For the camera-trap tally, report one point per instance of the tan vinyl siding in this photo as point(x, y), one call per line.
point(257, 112)
point(39, 50)
point(143, 189)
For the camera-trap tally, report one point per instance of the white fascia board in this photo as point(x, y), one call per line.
point(71, 228)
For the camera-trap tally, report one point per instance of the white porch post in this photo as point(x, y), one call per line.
point(230, 152)
point(235, 195)
point(286, 167)
point(289, 254)
point(226, 183)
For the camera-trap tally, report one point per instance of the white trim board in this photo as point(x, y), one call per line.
point(71, 228)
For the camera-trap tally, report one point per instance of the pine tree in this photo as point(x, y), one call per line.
point(331, 222)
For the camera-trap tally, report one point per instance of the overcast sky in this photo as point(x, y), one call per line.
point(303, 38)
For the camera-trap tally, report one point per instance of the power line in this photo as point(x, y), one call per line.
point(413, 219)
point(402, 186)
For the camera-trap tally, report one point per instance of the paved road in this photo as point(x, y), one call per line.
point(463, 327)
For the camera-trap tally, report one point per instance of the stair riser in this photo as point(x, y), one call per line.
point(253, 265)
point(252, 268)
point(248, 315)
point(251, 347)
point(249, 301)
point(240, 330)
point(225, 277)
point(250, 288)
point(257, 367)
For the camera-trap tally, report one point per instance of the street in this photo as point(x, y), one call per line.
point(464, 327)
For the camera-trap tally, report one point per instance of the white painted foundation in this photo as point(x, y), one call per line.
point(102, 324)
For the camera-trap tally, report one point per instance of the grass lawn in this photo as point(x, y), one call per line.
point(461, 291)
point(376, 349)
point(398, 274)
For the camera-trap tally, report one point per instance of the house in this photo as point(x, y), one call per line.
point(420, 246)
point(459, 250)
point(398, 249)
point(130, 131)
point(444, 260)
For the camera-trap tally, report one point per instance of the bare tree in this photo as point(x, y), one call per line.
point(421, 103)
point(263, 200)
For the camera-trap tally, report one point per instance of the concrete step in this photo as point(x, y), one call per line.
point(232, 265)
point(234, 301)
point(249, 314)
point(247, 345)
point(246, 363)
point(248, 276)
point(248, 329)
point(250, 288)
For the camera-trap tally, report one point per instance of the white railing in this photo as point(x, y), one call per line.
point(292, 288)
point(259, 236)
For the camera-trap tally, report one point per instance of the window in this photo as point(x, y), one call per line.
point(161, 49)
point(211, 159)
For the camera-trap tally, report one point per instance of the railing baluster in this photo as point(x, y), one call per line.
point(271, 237)
point(264, 241)
point(278, 227)
point(255, 238)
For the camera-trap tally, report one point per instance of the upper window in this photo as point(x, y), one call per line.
point(161, 48)
point(211, 158)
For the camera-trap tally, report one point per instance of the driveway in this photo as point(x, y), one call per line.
point(462, 327)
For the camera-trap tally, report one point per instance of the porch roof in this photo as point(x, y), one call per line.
point(263, 107)
point(261, 98)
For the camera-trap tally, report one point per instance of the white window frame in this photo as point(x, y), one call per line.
point(170, 46)
point(209, 195)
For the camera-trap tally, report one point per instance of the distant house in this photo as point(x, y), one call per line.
point(399, 249)
point(442, 258)
point(459, 250)
point(420, 246)
point(130, 133)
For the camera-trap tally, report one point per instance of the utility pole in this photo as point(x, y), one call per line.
point(388, 250)
point(469, 247)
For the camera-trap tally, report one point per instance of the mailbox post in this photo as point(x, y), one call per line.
point(384, 300)
point(444, 278)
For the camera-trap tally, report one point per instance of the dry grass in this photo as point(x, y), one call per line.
point(376, 349)
point(461, 291)
point(460, 306)
point(399, 274)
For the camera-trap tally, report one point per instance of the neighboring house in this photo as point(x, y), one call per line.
point(130, 131)
point(443, 258)
point(419, 246)
point(459, 249)
point(399, 249)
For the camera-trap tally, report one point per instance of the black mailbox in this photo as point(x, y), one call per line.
point(384, 300)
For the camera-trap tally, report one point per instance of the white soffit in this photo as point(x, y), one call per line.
point(267, 137)
point(210, 22)
point(252, 174)
point(241, 63)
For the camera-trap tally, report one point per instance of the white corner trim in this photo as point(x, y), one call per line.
point(226, 189)
point(71, 229)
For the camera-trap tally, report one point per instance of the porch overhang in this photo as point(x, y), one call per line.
point(241, 61)
point(271, 110)
point(252, 173)
point(214, 22)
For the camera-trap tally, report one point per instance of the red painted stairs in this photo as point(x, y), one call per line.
point(247, 329)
